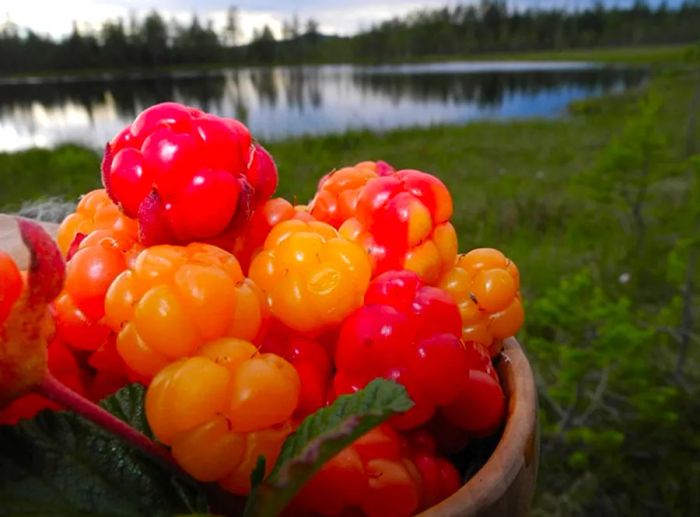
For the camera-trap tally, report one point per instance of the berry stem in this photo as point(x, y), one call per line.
point(55, 390)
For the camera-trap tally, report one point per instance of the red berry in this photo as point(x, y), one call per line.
point(420, 440)
point(263, 174)
point(409, 332)
point(166, 114)
point(372, 339)
point(129, 182)
point(75, 328)
point(339, 484)
point(226, 143)
point(174, 157)
point(395, 288)
point(480, 405)
point(314, 385)
point(186, 175)
point(307, 351)
point(423, 407)
point(432, 480)
point(435, 312)
point(439, 363)
point(392, 490)
point(204, 205)
point(450, 480)
point(402, 220)
point(312, 364)
point(344, 383)
point(380, 442)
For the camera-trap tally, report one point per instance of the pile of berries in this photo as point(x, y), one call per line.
point(243, 314)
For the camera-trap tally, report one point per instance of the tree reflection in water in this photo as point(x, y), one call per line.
point(280, 101)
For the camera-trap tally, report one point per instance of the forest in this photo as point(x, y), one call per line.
point(457, 31)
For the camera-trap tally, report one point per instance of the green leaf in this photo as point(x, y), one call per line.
point(258, 474)
point(320, 437)
point(61, 464)
point(127, 405)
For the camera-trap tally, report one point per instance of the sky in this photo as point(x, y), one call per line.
point(56, 17)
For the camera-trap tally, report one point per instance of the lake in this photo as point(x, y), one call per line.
point(277, 102)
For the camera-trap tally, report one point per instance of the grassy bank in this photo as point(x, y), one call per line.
point(640, 55)
point(618, 419)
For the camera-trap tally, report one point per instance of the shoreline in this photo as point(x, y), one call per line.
point(636, 55)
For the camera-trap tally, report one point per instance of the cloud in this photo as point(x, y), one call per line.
point(335, 16)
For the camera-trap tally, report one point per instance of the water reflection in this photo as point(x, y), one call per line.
point(280, 101)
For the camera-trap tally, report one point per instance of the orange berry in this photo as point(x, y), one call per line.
point(402, 221)
point(482, 258)
point(264, 391)
point(312, 277)
point(210, 451)
point(267, 443)
point(222, 409)
point(485, 285)
point(507, 322)
point(174, 299)
point(102, 256)
point(338, 192)
point(74, 328)
point(494, 289)
point(246, 244)
point(89, 274)
point(184, 395)
point(95, 211)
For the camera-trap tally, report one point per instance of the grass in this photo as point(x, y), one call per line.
point(641, 55)
point(66, 171)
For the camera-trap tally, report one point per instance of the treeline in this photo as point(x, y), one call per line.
point(491, 25)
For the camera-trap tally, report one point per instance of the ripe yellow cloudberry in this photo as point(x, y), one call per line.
point(173, 299)
point(486, 286)
point(312, 277)
point(95, 211)
point(222, 409)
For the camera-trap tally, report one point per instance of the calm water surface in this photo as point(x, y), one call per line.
point(276, 102)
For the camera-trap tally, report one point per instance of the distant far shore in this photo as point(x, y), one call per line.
point(640, 55)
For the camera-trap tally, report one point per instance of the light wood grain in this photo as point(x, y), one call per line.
point(10, 241)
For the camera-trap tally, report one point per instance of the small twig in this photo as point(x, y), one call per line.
point(685, 332)
point(567, 419)
point(686, 326)
point(542, 390)
point(614, 412)
point(55, 390)
point(597, 397)
point(671, 331)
